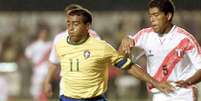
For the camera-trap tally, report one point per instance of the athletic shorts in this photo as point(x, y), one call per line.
point(98, 98)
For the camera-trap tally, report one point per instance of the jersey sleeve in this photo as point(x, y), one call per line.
point(116, 59)
point(53, 56)
point(193, 51)
point(138, 38)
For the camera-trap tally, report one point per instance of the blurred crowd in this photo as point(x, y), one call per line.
point(18, 30)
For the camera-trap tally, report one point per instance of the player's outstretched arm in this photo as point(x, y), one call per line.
point(139, 73)
point(50, 76)
point(196, 78)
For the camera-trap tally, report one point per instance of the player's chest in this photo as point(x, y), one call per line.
point(156, 46)
point(81, 58)
point(82, 53)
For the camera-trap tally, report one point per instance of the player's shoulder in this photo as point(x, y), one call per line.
point(184, 33)
point(93, 33)
point(34, 43)
point(146, 30)
point(49, 43)
point(105, 45)
point(142, 33)
point(98, 42)
point(181, 30)
point(59, 36)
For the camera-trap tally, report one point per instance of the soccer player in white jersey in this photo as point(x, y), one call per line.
point(84, 62)
point(38, 52)
point(173, 54)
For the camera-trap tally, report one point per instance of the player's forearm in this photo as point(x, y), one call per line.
point(140, 74)
point(51, 72)
point(195, 78)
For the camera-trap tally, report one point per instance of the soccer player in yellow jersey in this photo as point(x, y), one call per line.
point(84, 62)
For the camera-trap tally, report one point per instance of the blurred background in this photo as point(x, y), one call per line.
point(21, 20)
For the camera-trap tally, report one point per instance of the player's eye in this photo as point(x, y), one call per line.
point(156, 14)
point(68, 24)
point(76, 23)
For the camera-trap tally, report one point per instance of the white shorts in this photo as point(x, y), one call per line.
point(181, 94)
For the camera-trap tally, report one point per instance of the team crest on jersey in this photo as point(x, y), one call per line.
point(87, 54)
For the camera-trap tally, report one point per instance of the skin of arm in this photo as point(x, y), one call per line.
point(140, 74)
point(190, 81)
point(50, 76)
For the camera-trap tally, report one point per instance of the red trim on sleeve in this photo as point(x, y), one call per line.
point(191, 37)
point(141, 33)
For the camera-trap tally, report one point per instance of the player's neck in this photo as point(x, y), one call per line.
point(82, 40)
point(43, 39)
point(166, 30)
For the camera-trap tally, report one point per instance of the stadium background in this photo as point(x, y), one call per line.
point(19, 20)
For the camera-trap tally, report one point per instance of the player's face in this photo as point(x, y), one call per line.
point(43, 34)
point(76, 28)
point(159, 21)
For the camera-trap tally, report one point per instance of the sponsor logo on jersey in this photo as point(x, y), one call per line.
point(150, 53)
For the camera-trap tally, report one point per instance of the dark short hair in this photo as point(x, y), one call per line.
point(71, 7)
point(166, 6)
point(87, 16)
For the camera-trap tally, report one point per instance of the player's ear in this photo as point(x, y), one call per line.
point(88, 26)
point(169, 16)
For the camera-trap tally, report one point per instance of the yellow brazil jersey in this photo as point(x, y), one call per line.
point(84, 72)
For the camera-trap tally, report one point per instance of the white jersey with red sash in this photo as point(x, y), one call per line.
point(38, 52)
point(174, 56)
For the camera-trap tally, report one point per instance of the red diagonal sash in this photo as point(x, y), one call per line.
point(44, 58)
point(171, 60)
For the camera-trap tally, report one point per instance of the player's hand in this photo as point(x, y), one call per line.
point(126, 45)
point(165, 87)
point(182, 83)
point(48, 89)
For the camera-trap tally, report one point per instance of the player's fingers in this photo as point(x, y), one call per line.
point(128, 51)
point(169, 87)
point(168, 90)
point(50, 94)
point(164, 91)
point(122, 48)
point(131, 43)
point(48, 90)
point(180, 83)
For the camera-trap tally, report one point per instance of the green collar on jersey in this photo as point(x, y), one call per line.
point(76, 43)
